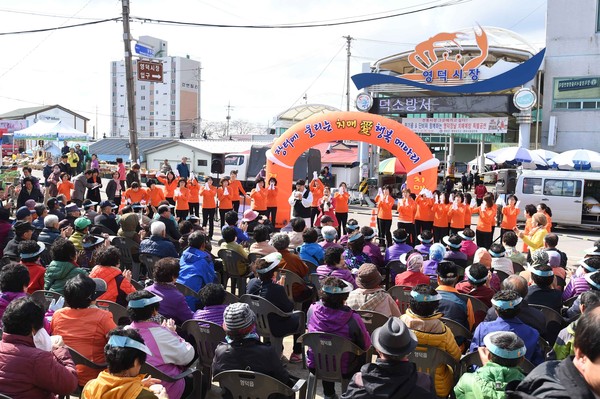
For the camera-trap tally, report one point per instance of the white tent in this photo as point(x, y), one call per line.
point(50, 130)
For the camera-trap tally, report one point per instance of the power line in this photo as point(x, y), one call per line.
point(297, 25)
point(100, 21)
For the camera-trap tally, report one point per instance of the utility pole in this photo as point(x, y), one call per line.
point(348, 55)
point(228, 118)
point(199, 124)
point(131, 115)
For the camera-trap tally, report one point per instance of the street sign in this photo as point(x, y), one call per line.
point(150, 71)
point(143, 50)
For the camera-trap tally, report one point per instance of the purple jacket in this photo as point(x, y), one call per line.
point(423, 248)
point(343, 274)
point(394, 252)
point(430, 267)
point(374, 253)
point(343, 322)
point(6, 298)
point(213, 314)
point(173, 306)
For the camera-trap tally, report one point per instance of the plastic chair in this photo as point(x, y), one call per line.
point(479, 308)
point(401, 294)
point(185, 290)
point(44, 297)
point(554, 321)
point(119, 312)
point(78, 358)
point(156, 373)
point(327, 350)
point(125, 244)
point(252, 257)
point(207, 336)
point(312, 268)
point(98, 228)
point(517, 268)
point(501, 275)
point(392, 266)
point(569, 302)
point(473, 359)
point(149, 261)
point(230, 266)
point(289, 279)
point(372, 320)
point(262, 309)
point(137, 285)
point(244, 384)
point(315, 280)
point(4, 396)
point(461, 334)
point(230, 298)
point(428, 358)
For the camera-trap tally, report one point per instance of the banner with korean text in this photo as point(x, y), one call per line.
point(457, 125)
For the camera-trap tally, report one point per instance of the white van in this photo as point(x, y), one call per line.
point(573, 197)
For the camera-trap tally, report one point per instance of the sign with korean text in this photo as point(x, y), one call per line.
point(457, 125)
point(455, 104)
point(150, 71)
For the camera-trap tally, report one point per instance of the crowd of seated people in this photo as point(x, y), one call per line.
point(505, 299)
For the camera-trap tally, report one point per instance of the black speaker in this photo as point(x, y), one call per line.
point(217, 164)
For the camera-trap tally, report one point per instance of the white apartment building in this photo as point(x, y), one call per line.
point(167, 109)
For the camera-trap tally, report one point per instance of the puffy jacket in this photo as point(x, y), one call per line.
point(312, 252)
point(117, 286)
point(196, 269)
point(159, 246)
point(77, 240)
point(48, 236)
point(431, 331)
point(173, 306)
point(58, 273)
point(389, 380)
point(374, 299)
point(6, 298)
point(108, 386)
point(36, 276)
point(31, 373)
point(343, 322)
point(563, 347)
point(554, 379)
point(343, 274)
point(488, 382)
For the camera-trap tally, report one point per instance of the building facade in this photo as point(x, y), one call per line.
point(170, 108)
point(571, 115)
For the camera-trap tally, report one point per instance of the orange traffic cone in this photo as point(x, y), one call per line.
point(373, 218)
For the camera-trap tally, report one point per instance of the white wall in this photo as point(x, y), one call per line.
point(348, 175)
point(174, 155)
point(573, 48)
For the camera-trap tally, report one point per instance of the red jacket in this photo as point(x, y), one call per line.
point(117, 286)
point(36, 276)
point(31, 373)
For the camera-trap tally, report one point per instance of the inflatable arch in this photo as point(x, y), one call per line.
point(402, 142)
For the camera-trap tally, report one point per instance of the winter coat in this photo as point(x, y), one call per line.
point(554, 379)
point(487, 382)
point(196, 269)
point(252, 355)
point(36, 277)
point(433, 332)
point(58, 273)
point(374, 253)
point(374, 299)
point(109, 221)
point(108, 386)
point(389, 380)
point(343, 322)
point(528, 334)
point(312, 252)
point(48, 236)
point(159, 246)
point(35, 194)
point(211, 313)
point(343, 274)
point(170, 353)
point(84, 330)
point(531, 316)
point(563, 347)
point(31, 373)
point(80, 184)
point(394, 251)
point(117, 286)
point(173, 306)
point(6, 298)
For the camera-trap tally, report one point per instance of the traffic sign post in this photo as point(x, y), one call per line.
point(144, 50)
point(150, 71)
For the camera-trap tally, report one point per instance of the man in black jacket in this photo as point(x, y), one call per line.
point(392, 376)
point(244, 351)
point(575, 377)
point(107, 218)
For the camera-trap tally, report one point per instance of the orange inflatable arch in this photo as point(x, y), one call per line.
point(386, 133)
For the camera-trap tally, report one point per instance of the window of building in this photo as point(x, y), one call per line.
point(156, 101)
point(143, 107)
point(576, 93)
point(142, 118)
point(598, 16)
point(202, 162)
point(172, 81)
point(151, 123)
point(156, 91)
point(172, 123)
point(142, 97)
point(142, 128)
point(172, 113)
point(143, 87)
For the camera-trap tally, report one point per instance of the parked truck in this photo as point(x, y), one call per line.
point(249, 164)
